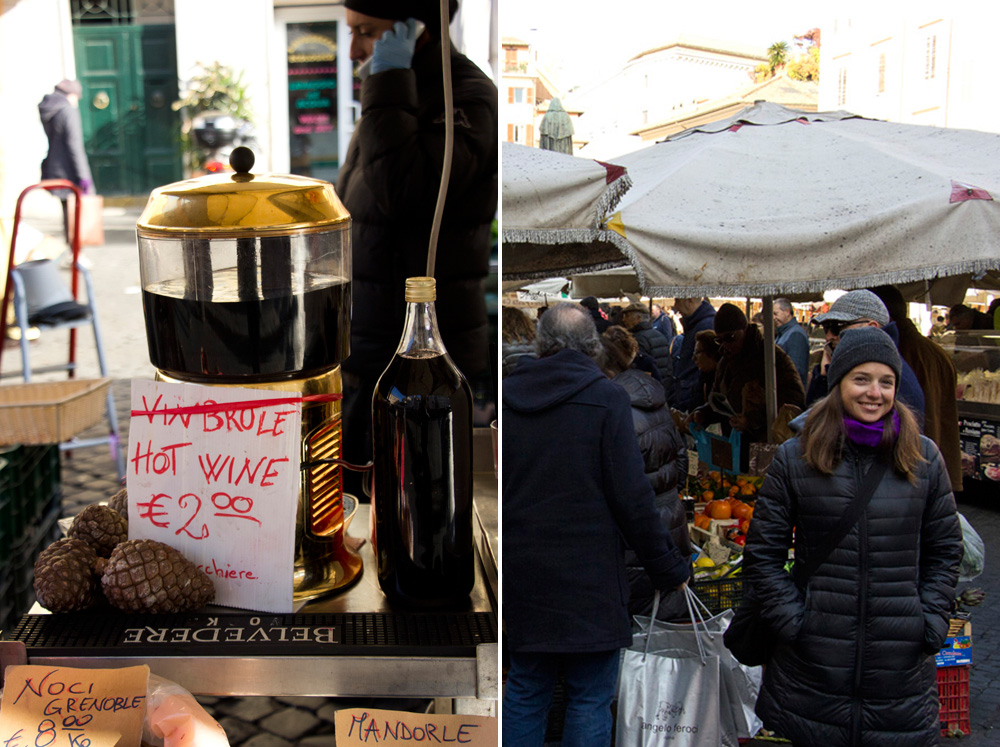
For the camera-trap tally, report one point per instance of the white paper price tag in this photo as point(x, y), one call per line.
point(214, 473)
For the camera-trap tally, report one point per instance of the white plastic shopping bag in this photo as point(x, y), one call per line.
point(670, 696)
point(739, 684)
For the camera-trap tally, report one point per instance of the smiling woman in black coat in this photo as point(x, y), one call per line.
point(854, 664)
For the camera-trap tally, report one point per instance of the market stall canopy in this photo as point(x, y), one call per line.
point(554, 209)
point(774, 201)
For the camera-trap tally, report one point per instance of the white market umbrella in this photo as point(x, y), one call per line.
point(774, 201)
point(554, 209)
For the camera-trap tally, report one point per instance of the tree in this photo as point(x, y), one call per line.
point(806, 66)
point(777, 56)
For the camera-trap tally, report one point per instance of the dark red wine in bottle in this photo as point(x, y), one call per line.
point(422, 441)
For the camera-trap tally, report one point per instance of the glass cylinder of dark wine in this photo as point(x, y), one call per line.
point(422, 439)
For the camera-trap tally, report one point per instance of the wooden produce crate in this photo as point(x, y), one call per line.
point(50, 412)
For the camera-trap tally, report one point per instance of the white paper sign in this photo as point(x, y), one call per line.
point(214, 473)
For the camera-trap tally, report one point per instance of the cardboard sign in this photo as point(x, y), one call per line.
point(214, 473)
point(75, 707)
point(362, 727)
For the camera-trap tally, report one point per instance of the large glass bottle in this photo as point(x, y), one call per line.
point(422, 439)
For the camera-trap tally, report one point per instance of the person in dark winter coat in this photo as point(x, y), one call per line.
point(706, 356)
point(861, 308)
point(854, 660)
point(938, 378)
point(739, 379)
point(636, 320)
point(599, 315)
point(791, 337)
point(389, 183)
point(665, 456)
point(662, 322)
point(574, 494)
point(696, 314)
point(518, 335)
point(67, 157)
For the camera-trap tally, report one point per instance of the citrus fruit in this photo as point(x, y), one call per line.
point(741, 510)
point(719, 510)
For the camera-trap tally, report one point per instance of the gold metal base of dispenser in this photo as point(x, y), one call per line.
point(324, 563)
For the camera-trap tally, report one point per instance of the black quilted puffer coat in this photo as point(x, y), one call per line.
point(854, 664)
point(666, 461)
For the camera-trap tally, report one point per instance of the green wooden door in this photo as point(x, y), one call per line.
point(129, 78)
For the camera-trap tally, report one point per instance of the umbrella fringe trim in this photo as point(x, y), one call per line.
point(612, 196)
point(554, 237)
point(973, 267)
point(550, 236)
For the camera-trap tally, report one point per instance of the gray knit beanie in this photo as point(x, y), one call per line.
point(862, 345)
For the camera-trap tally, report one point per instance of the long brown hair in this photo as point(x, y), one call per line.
point(823, 437)
point(516, 326)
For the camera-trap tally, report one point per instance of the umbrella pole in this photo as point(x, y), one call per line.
point(770, 379)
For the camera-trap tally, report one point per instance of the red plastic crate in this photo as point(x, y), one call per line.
point(953, 694)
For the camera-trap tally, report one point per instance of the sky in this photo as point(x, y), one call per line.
point(592, 45)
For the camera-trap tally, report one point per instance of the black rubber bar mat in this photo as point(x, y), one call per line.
point(94, 634)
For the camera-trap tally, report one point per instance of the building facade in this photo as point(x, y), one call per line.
point(660, 84)
point(931, 67)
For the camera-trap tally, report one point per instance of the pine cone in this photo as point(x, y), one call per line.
point(119, 502)
point(64, 576)
point(101, 527)
point(144, 575)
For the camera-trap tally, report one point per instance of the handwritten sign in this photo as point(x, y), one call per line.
point(363, 727)
point(214, 473)
point(61, 706)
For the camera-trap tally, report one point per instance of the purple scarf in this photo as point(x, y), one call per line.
point(869, 434)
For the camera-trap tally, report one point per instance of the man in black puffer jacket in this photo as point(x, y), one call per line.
point(636, 320)
point(389, 182)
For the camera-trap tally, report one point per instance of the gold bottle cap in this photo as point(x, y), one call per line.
point(242, 204)
point(420, 290)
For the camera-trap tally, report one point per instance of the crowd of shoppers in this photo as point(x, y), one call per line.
point(589, 430)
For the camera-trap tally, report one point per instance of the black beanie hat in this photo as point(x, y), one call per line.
point(862, 345)
point(427, 11)
point(729, 318)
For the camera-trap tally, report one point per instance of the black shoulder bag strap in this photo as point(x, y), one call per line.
point(847, 520)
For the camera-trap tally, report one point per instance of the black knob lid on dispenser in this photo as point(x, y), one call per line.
point(241, 159)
